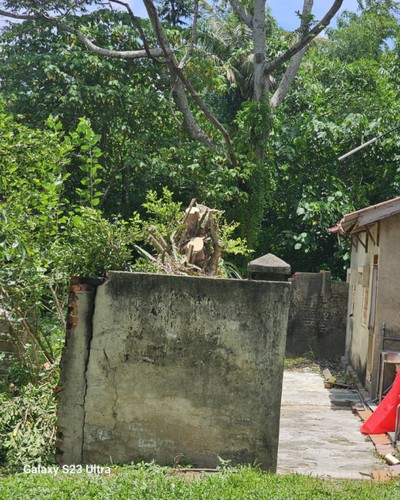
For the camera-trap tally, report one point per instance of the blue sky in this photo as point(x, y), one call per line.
point(284, 10)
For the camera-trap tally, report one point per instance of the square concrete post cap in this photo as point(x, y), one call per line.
point(269, 267)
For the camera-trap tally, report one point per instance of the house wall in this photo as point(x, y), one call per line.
point(359, 334)
point(175, 369)
point(388, 298)
point(374, 298)
point(317, 315)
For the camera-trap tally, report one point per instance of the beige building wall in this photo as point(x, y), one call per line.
point(360, 331)
point(388, 296)
point(374, 298)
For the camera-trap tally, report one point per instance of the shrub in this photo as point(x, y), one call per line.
point(28, 420)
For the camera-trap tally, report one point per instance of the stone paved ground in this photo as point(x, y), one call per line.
point(318, 438)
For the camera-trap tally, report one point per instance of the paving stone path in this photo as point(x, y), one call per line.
point(318, 438)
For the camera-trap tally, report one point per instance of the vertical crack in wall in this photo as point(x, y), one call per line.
point(89, 337)
point(113, 372)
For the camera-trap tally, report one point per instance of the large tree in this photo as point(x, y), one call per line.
point(61, 77)
point(345, 93)
point(272, 75)
point(164, 52)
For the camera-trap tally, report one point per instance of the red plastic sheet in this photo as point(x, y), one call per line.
point(384, 417)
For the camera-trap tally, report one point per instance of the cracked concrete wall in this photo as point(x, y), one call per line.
point(180, 369)
point(72, 386)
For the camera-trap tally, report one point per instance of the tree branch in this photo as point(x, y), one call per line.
point(121, 54)
point(195, 131)
point(292, 69)
point(179, 80)
point(304, 40)
point(136, 22)
point(23, 17)
point(241, 11)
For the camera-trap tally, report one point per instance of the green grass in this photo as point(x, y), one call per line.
point(146, 481)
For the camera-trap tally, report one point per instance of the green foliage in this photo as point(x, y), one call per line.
point(90, 245)
point(254, 122)
point(43, 238)
point(46, 6)
point(85, 141)
point(346, 93)
point(335, 104)
point(31, 203)
point(162, 212)
point(125, 107)
point(232, 245)
point(27, 421)
point(363, 36)
point(175, 12)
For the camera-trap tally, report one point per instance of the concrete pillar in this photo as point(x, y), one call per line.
point(269, 267)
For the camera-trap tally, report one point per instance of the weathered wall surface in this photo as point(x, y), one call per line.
point(360, 331)
point(374, 300)
point(175, 369)
point(317, 315)
point(387, 300)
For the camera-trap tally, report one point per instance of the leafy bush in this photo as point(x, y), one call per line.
point(28, 420)
point(90, 244)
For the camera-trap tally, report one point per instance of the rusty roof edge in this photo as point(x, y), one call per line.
point(346, 225)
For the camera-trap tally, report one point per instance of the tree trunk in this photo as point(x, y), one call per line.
point(259, 32)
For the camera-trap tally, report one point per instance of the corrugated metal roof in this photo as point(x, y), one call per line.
point(355, 222)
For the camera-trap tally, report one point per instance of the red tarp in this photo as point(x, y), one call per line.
point(384, 417)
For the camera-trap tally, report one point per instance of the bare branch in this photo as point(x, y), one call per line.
point(13, 15)
point(304, 40)
point(287, 79)
point(136, 22)
point(195, 132)
point(121, 54)
point(193, 128)
point(241, 11)
point(292, 69)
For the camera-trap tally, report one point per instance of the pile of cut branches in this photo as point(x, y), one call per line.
point(194, 247)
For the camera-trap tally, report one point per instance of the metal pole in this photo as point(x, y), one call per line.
point(367, 143)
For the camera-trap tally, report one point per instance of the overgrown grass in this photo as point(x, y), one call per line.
point(301, 363)
point(148, 481)
point(309, 361)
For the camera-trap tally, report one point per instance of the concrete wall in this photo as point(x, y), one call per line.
point(317, 315)
point(175, 369)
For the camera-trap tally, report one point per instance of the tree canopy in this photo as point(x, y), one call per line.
point(203, 103)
